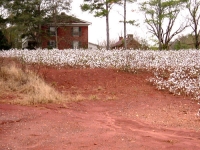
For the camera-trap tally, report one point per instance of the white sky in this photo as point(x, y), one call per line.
point(97, 30)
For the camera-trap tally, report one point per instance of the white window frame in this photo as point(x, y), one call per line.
point(76, 31)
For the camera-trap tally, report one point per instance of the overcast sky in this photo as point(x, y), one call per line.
point(97, 30)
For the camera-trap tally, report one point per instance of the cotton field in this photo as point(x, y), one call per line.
point(176, 71)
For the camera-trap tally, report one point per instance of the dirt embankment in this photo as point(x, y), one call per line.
point(110, 110)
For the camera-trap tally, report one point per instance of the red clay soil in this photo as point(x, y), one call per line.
point(118, 111)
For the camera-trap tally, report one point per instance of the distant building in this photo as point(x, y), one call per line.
point(62, 32)
point(29, 43)
point(71, 33)
point(130, 41)
point(92, 46)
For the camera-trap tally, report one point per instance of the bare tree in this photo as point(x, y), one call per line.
point(161, 17)
point(193, 7)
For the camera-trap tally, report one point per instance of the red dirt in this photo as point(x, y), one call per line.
point(120, 111)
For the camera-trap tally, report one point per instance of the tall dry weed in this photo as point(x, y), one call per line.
point(29, 87)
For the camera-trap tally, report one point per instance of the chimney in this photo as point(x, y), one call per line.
point(130, 36)
point(120, 38)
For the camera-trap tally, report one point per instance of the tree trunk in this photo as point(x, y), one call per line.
point(196, 41)
point(125, 44)
point(159, 25)
point(55, 22)
point(56, 28)
point(107, 28)
point(40, 29)
point(196, 35)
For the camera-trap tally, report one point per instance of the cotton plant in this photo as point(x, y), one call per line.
point(176, 71)
point(180, 81)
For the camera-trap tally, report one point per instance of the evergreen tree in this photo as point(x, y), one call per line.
point(3, 16)
point(28, 15)
point(3, 42)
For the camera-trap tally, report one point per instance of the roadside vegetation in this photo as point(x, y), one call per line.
point(26, 87)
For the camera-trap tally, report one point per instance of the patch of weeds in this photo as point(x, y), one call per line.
point(78, 98)
point(54, 84)
point(93, 97)
point(113, 97)
point(31, 88)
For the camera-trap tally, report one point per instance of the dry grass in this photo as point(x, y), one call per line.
point(77, 98)
point(113, 97)
point(18, 85)
point(28, 88)
point(93, 97)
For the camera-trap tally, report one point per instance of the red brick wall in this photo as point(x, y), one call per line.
point(65, 37)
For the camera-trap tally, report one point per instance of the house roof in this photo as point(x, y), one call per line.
point(63, 19)
point(118, 43)
point(131, 42)
point(89, 43)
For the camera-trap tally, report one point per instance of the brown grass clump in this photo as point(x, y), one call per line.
point(28, 88)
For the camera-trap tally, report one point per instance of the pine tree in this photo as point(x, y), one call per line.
point(4, 45)
point(28, 15)
point(100, 8)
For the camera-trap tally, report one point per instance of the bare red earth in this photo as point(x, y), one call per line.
point(120, 111)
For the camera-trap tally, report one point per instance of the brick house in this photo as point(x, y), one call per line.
point(130, 41)
point(65, 32)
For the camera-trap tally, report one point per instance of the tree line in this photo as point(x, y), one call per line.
point(21, 18)
point(160, 17)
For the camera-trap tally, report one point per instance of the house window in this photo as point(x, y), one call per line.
point(52, 44)
point(52, 30)
point(76, 31)
point(75, 44)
